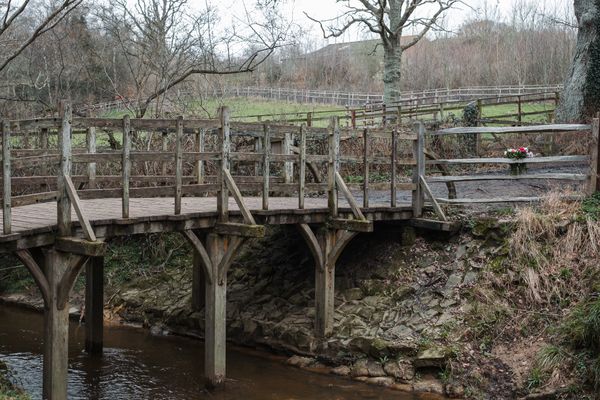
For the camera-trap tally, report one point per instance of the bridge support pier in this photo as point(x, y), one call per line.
point(326, 245)
point(56, 330)
point(215, 257)
point(94, 305)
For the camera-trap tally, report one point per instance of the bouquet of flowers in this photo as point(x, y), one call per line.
point(518, 154)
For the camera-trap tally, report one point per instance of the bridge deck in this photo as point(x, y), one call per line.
point(156, 214)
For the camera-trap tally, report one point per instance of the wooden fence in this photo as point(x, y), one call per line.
point(382, 115)
point(61, 159)
point(589, 162)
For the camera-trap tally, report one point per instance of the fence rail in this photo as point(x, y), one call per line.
point(181, 158)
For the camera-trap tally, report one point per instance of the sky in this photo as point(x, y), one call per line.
point(324, 9)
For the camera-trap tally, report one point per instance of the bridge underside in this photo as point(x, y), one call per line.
point(35, 225)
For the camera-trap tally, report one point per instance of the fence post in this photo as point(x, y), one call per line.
point(519, 111)
point(200, 149)
point(165, 148)
point(418, 169)
point(266, 166)
point(393, 201)
point(6, 176)
point(225, 144)
point(594, 180)
point(333, 166)
point(366, 168)
point(64, 145)
point(178, 164)
point(90, 139)
point(302, 167)
point(126, 164)
point(288, 166)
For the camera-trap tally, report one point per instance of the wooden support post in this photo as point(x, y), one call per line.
point(288, 169)
point(64, 145)
point(266, 166)
point(325, 288)
point(200, 148)
point(326, 246)
point(333, 166)
point(383, 116)
point(198, 282)
point(309, 119)
point(225, 145)
point(302, 167)
point(6, 177)
point(519, 110)
point(394, 167)
point(178, 164)
point(594, 179)
point(215, 316)
point(56, 330)
point(366, 168)
point(94, 305)
point(91, 148)
point(126, 164)
point(418, 170)
point(353, 118)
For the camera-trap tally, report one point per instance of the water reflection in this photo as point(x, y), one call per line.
point(136, 365)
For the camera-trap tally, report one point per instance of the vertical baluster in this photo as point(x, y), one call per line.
point(91, 148)
point(394, 167)
point(64, 145)
point(333, 166)
point(366, 168)
point(126, 164)
point(302, 167)
point(178, 164)
point(266, 166)
point(6, 176)
point(200, 146)
point(224, 143)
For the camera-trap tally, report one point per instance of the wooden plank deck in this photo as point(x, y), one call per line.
point(41, 218)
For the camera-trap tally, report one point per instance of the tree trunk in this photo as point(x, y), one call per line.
point(392, 72)
point(580, 100)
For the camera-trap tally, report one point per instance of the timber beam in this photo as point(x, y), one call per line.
point(80, 246)
point(243, 230)
point(352, 225)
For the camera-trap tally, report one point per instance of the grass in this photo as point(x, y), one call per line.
point(248, 107)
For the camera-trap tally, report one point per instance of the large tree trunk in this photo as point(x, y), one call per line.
point(392, 72)
point(581, 96)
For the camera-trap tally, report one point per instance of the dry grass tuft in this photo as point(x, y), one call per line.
point(551, 247)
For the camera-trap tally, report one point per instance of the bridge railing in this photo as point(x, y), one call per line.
point(69, 159)
point(574, 159)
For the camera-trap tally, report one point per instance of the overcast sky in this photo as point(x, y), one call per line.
point(324, 9)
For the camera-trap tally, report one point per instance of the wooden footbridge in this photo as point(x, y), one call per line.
point(218, 183)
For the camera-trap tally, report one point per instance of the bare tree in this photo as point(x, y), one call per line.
point(16, 36)
point(162, 43)
point(580, 100)
point(390, 19)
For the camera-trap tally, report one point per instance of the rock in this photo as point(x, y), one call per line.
point(342, 370)
point(374, 301)
point(429, 386)
point(379, 348)
point(470, 277)
point(379, 381)
point(300, 362)
point(375, 369)
point(455, 391)
point(402, 387)
point(359, 369)
point(432, 357)
point(353, 294)
point(402, 370)
point(408, 236)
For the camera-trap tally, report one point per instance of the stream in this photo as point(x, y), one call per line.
point(137, 365)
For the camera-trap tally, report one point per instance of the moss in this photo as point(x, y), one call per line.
point(8, 391)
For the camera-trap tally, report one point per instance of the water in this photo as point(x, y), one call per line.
point(136, 365)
